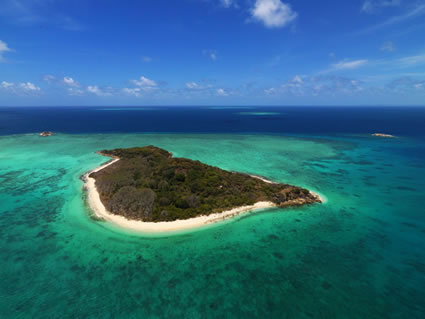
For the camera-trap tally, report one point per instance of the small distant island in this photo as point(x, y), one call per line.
point(147, 185)
point(46, 133)
point(383, 135)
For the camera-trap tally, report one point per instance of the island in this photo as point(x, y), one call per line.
point(46, 133)
point(383, 135)
point(146, 188)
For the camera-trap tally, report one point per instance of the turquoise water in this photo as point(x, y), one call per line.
point(360, 255)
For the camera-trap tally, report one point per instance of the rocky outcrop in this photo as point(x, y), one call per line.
point(46, 133)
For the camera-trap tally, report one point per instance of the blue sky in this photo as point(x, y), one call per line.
point(212, 52)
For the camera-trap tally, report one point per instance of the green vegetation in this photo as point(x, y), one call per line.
point(148, 184)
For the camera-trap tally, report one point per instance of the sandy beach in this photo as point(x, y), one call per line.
point(100, 211)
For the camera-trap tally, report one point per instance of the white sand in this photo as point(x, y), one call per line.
point(263, 179)
point(100, 211)
point(383, 135)
point(320, 197)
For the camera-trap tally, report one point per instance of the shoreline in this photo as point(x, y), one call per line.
point(320, 197)
point(97, 207)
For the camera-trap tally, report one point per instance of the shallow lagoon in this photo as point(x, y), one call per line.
point(359, 255)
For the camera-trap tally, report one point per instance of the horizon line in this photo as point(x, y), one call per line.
point(214, 106)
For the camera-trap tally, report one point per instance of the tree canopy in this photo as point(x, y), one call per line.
point(148, 184)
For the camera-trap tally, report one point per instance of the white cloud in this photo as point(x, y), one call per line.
point(295, 85)
point(18, 88)
point(75, 91)
point(132, 91)
point(144, 82)
point(417, 11)
point(316, 86)
point(6, 85)
point(393, 63)
point(273, 13)
point(94, 89)
point(411, 60)
point(70, 82)
point(228, 3)
point(146, 59)
point(36, 12)
point(222, 92)
point(49, 78)
point(212, 54)
point(28, 86)
point(297, 80)
point(370, 6)
point(193, 86)
point(3, 48)
point(349, 65)
point(405, 84)
point(388, 46)
point(270, 91)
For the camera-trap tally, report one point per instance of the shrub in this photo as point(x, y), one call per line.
point(180, 177)
point(182, 203)
point(192, 201)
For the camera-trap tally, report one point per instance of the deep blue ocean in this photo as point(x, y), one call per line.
point(361, 254)
point(406, 121)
